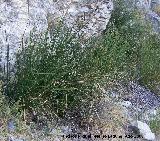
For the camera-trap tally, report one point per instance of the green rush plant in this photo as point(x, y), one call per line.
point(55, 73)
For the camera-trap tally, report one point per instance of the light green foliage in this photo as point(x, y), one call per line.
point(7, 113)
point(142, 44)
point(155, 123)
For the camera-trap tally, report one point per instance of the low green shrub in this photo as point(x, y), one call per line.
point(55, 73)
point(155, 123)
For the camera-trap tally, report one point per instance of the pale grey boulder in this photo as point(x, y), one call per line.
point(145, 131)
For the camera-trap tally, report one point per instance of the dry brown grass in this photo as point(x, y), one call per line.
point(105, 118)
point(111, 119)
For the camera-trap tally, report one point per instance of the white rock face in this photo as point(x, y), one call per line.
point(147, 4)
point(145, 131)
point(126, 103)
point(144, 4)
point(18, 18)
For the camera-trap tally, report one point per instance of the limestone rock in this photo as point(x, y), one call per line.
point(126, 103)
point(145, 131)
